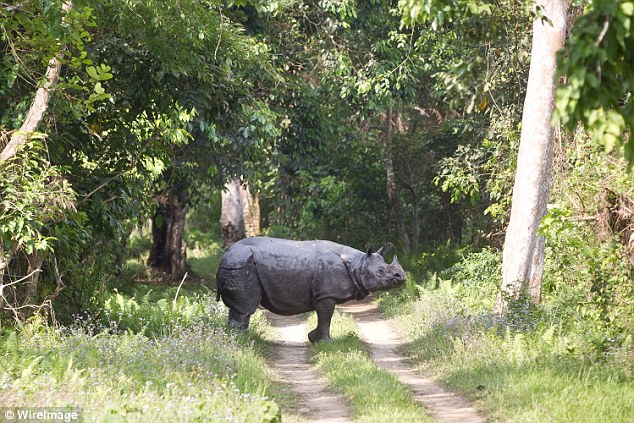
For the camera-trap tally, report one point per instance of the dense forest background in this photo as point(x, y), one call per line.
point(489, 140)
point(351, 121)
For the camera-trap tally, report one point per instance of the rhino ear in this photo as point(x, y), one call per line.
point(385, 249)
point(369, 249)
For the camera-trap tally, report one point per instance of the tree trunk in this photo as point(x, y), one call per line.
point(33, 119)
point(40, 103)
point(392, 192)
point(250, 210)
point(35, 261)
point(523, 256)
point(169, 250)
point(415, 220)
point(232, 217)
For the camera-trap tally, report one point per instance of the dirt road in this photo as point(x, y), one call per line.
point(317, 404)
point(290, 360)
point(384, 343)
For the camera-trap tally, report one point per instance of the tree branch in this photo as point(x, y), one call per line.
point(39, 106)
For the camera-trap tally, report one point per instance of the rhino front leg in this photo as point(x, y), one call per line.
point(238, 320)
point(324, 309)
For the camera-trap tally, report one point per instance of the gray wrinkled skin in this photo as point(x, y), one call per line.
point(292, 277)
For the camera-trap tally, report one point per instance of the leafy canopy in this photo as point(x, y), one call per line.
point(597, 63)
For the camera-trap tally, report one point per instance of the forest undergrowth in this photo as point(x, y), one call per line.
point(569, 359)
point(150, 353)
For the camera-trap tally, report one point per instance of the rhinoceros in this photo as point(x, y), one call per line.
point(292, 277)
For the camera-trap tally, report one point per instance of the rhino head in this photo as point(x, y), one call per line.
point(375, 274)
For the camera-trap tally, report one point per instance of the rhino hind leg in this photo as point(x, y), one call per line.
point(240, 291)
point(324, 308)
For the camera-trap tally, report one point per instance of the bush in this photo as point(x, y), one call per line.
point(179, 365)
point(579, 338)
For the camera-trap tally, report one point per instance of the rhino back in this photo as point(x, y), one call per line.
point(295, 274)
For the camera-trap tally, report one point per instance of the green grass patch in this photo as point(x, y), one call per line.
point(544, 363)
point(205, 261)
point(375, 394)
point(539, 392)
point(191, 369)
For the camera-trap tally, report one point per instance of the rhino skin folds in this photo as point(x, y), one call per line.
point(292, 277)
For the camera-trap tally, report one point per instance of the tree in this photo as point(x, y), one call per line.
point(523, 256)
point(168, 254)
point(392, 192)
point(232, 217)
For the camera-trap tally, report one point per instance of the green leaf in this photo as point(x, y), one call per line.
point(92, 72)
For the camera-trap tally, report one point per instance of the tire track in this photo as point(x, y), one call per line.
point(384, 343)
point(290, 360)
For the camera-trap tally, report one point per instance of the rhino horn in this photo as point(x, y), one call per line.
point(395, 260)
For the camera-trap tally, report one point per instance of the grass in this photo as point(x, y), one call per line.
point(205, 261)
point(375, 394)
point(192, 369)
point(546, 392)
point(203, 255)
point(524, 368)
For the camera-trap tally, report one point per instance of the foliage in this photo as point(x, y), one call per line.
point(440, 12)
point(32, 33)
point(151, 316)
point(599, 79)
point(346, 205)
point(479, 176)
point(127, 376)
point(336, 123)
point(34, 195)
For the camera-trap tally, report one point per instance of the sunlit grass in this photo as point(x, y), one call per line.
point(375, 394)
point(545, 392)
point(205, 261)
point(191, 370)
point(518, 375)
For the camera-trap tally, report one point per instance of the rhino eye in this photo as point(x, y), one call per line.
point(381, 270)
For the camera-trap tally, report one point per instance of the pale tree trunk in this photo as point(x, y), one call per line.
point(40, 103)
point(523, 256)
point(392, 192)
point(250, 210)
point(33, 119)
point(232, 216)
